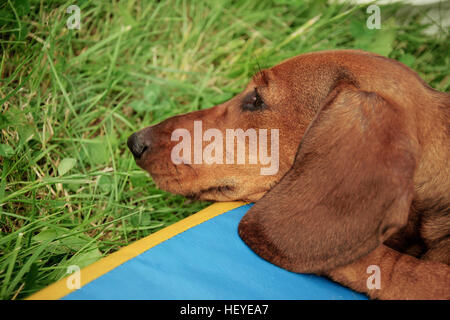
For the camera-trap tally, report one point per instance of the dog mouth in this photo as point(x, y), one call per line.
point(222, 190)
point(175, 183)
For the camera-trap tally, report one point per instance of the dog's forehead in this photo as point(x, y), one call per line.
point(321, 60)
point(300, 61)
point(298, 68)
point(302, 65)
point(321, 69)
point(303, 74)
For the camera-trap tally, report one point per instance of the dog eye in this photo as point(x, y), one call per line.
point(253, 102)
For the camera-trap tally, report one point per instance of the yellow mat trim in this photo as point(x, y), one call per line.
point(59, 289)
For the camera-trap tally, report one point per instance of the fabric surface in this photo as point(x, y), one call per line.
point(208, 261)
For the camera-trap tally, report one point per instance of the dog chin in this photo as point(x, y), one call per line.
point(206, 193)
point(220, 195)
point(254, 197)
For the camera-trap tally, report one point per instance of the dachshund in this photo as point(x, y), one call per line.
point(362, 179)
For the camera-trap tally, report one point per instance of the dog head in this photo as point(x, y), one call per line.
point(346, 148)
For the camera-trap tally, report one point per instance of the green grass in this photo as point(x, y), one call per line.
point(70, 191)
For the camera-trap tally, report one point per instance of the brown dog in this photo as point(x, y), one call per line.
point(363, 175)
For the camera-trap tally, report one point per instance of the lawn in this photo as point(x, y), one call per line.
point(70, 191)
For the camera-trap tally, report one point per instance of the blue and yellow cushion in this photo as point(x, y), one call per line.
point(200, 257)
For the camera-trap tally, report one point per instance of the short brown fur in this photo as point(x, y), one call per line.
point(364, 173)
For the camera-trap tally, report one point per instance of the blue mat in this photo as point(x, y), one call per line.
point(208, 261)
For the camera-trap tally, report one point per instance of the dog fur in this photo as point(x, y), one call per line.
point(363, 179)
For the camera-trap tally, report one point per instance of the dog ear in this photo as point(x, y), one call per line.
point(349, 189)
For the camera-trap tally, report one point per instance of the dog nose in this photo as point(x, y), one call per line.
point(136, 145)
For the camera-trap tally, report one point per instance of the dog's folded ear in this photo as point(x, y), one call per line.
point(349, 189)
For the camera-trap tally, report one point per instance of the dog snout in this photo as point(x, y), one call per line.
point(137, 145)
